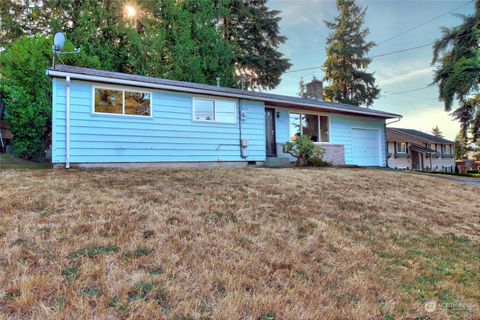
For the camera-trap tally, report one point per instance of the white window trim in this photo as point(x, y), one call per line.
point(318, 129)
point(123, 89)
point(214, 99)
point(400, 144)
point(448, 149)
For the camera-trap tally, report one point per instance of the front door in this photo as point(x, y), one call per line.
point(417, 161)
point(271, 147)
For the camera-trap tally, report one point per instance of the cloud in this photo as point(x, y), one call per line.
point(405, 76)
point(303, 12)
point(427, 117)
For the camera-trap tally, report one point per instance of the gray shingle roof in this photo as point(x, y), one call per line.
point(252, 95)
point(422, 135)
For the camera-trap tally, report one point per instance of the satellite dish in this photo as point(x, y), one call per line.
point(57, 48)
point(58, 42)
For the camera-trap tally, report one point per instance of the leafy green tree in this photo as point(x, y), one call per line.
point(476, 153)
point(436, 132)
point(253, 31)
point(189, 40)
point(346, 65)
point(27, 91)
point(457, 57)
point(183, 40)
point(461, 146)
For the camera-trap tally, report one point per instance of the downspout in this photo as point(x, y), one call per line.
point(386, 141)
point(240, 108)
point(67, 124)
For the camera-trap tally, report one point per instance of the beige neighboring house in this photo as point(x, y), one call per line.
point(415, 150)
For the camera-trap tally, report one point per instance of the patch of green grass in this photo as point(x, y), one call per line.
point(155, 271)
point(70, 272)
point(442, 260)
point(11, 295)
point(137, 253)
point(147, 291)
point(299, 275)
point(45, 230)
point(10, 162)
point(268, 316)
point(232, 218)
point(19, 242)
point(91, 292)
point(60, 303)
point(172, 219)
point(92, 252)
point(120, 308)
point(304, 230)
point(141, 291)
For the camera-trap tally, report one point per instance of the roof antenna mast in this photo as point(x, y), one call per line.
point(57, 48)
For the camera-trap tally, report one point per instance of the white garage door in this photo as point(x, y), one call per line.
point(366, 147)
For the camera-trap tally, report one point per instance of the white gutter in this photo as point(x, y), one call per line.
point(67, 123)
point(54, 73)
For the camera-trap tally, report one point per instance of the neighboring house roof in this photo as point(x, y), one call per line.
point(410, 135)
point(165, 84)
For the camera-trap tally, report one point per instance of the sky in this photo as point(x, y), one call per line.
point(302, 23)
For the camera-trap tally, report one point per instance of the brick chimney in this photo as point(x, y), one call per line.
point(314, 90)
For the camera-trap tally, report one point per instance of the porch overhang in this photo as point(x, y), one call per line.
point(421, 149)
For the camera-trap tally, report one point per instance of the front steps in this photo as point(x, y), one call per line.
point(277, 162)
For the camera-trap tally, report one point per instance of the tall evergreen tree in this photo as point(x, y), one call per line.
point(301, 88)
point(253, 31)
point(457, 57)
point(461, 146)
point(346, 65)
point(184, 40)
point(436, 132)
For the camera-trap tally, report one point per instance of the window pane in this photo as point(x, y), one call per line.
point(203, 110)
point(108, 101)
point(137, 103)
point(324, 129)
point(225, 111)
point(310, 126)
point(294, 126)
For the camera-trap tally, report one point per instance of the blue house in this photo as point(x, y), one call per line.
point(108, 119)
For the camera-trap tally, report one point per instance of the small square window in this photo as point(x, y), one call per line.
point(401, 147)
point(203, 110)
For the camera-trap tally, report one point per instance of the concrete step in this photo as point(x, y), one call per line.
point(277, 162)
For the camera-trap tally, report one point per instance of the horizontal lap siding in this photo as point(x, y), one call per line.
point(340, 130)
point(170, 135)
point(341, 133)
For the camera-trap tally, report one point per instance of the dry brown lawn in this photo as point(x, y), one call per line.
point(237, 244)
